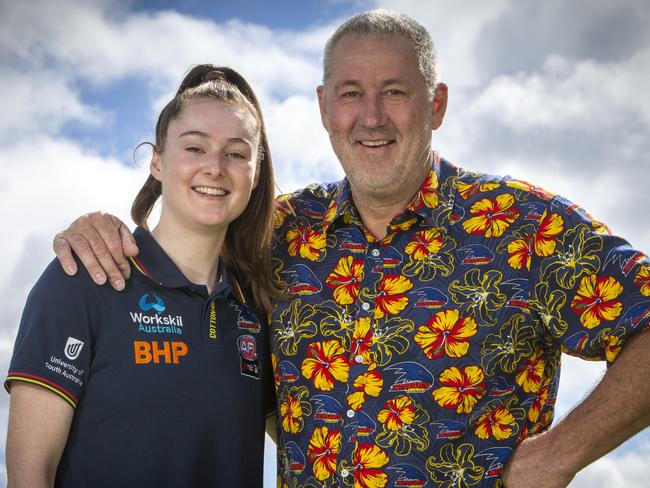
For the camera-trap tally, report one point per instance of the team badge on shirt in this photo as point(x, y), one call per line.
point(249, 362)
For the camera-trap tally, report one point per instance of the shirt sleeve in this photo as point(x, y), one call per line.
point(54, 341)
point(590, 289)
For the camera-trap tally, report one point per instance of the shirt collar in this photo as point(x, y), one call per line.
point(427, 203)
point(153, 262)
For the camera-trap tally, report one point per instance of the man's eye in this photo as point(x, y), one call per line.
point(394, 92)
point(350, 94)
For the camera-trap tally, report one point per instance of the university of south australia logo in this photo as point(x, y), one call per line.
point(73, 348)
point(151, 301)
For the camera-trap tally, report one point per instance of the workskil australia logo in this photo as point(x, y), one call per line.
point(151, 318)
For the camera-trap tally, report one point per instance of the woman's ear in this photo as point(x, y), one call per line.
point(155, 165)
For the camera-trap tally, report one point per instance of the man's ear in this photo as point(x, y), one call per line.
point(155, 165)
point(439, 105)
point(320, 92)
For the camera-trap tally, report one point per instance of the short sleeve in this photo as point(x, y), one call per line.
point(590, 289)
point(54, 341)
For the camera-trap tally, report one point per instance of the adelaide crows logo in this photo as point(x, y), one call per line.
point(150, 301)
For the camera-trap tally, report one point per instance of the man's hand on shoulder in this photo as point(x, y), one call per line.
point(102, 242)
point(533, 464)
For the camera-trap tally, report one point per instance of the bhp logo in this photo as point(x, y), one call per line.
point(168, 352)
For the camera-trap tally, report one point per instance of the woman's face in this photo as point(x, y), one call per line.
point(208, 165)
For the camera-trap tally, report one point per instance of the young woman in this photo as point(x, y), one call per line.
point(166, 383)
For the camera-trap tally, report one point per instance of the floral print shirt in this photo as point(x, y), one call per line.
point(422, 359)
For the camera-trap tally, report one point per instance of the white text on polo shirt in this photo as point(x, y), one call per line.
point(170, 324)
point(168, 352)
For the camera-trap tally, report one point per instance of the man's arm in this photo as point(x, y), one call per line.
point(102, 242)
point(39, 422)
point(614, 411)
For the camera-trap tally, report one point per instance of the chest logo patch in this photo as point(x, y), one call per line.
point(249, 363)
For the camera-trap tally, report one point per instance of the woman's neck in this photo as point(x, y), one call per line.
point(195, 254)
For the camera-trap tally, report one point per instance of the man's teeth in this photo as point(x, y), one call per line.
point(210, 191)
point(375, 143)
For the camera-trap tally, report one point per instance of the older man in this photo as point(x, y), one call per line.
point(428, 305)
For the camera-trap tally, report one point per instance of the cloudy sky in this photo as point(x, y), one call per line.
point(551, 92)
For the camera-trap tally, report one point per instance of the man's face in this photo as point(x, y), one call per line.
point(379, 114)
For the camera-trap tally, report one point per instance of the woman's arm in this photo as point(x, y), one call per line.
point(39, 422)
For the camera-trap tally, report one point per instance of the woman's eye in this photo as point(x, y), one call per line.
point(236, 155)
point(194, 149)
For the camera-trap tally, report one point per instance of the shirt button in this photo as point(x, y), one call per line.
point(350, 413)
point(375, 252)
point(359, 358)
point(365, 306)
point(345, 473)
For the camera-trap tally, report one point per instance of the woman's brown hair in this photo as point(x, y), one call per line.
point(247, 248)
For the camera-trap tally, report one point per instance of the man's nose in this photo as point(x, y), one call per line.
point(373, 113)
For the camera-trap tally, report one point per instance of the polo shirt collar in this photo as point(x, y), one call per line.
point(153, 262)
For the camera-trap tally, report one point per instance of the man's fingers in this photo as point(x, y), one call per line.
point(108, 247)
point(82, 247)
point(64, 254)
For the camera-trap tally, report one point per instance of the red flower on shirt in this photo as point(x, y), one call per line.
point(446, 333)
point(346, 279)
point(307, 242)
point(322, 452)
point(325, 362)
point(491, 217)
point(461, 389)
point(391, 297)
point(596, 301)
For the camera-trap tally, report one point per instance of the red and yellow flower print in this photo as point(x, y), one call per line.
point(491, 217)
point(362, 340)
point(424, 244)
point(323, 451)
point(461, 389)
point(642, 280)
point(595, 300)
point(346, 279)
point(391, 295)
point(326, 361)
point(293, 407)
point(468, 190)
point(499, 423)
point(306, 242)
point(520, 252)
point(540, 400)
point(369, 383)
point(367, 462)
point(531, 372)
point(545, 238)
point(397, 413)
point(446, 333)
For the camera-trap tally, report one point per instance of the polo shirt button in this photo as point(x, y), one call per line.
point(375, 252)
point(350, 413)
point(359, 358)
point(365, 306)
point(345, 473)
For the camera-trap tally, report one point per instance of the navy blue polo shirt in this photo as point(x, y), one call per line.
point(170, 384)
